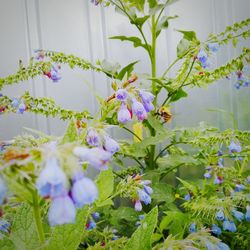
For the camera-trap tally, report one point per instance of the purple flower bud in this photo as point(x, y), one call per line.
point(234, 148)
point(91, 225)
point(207, 175)
point(223, 246)
point(247, 215)
point(229, 226)
point(21, 108)
point(203, 58)
point(148, 189)
point(111, 145)
point(96, 215)
point(146, 96)
point(238, 215)
point(4, 226)
point(146, 182)
point(216, 230)
point(148, 106)
point(192, 228)
point(139, 110)
point(96, 2)
point(62, 211)
point(84, 191)
point(15, 102)
point(52, 181)
point(239, 187)
point(3, 190)
point(121, 94)
point(220, 215)
point(218, 180)
point(92, 138)
point(237, 85)
point(97, 157)
point(39, 55)
point(124, 114)
point(55, 76)
point(138, 206)
point(187, 197)
point(214, 47)
point(141, 216)
point(221, 162)
point(143, 196)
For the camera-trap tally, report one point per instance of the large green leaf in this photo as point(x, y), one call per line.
point(139, 21)
point(163, 23)
point(178, 94)
point(141, 238)
point(68, 236)
point(23, 231)
point(175, 223)
point(162, 192)
point(182, 47)
point(135, 40)
point(6, 244)
point(105, 184)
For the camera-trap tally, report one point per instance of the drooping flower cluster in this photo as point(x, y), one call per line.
point(54, 72)
point(19, 105)
point(227, 224)
point(242, 80)
point(139, 104)
point(65, 194)
point(233, 149)
point(91, 224)
point(103, 147)
point(136, 189)
point(203, 55)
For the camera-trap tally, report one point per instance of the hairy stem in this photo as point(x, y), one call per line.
point(38, 219)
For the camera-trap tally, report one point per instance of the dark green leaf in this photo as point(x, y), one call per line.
point(139, 21)
point(135, 40)
point(188, 35)
point(141, 239)
point(24, 233)
point(178, 94)
point(68, 236)
point(126, 70)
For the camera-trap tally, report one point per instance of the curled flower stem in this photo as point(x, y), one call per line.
point(124, 85)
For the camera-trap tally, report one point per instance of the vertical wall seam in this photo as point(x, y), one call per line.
point(90, 37)
point(29, 53)
point(40, 44)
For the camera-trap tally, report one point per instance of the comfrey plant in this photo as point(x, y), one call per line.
point(48, 198)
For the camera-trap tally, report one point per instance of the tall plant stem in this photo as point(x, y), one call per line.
point(154, 90)
point(38, 220)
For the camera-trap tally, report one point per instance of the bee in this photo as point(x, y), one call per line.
point(164, 113)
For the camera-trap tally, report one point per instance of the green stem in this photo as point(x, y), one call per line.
point(38, 219)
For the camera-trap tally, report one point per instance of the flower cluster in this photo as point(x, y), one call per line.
point(19, 105)
point(242, 80)
point(91, 224)
point(136, 189)
point(233, 149)
point(138, 104)
point(203, 57)
point(53, 73)
point(229, 225)
point(102, 149)
point(65, 195)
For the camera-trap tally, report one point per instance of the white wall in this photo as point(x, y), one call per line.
point(81, 28)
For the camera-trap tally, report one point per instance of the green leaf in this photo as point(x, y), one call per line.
point(178, 94)
point(126, 70)
point(6, 244)
point(188, 35)
point(141, 238)
point(105, 184)
point(163, 23)
point(109, 67)
point(188, 186)
point(71, 133)
point(175, 222)
point(162, 192)
point(152, 3)
point(68, 236)
point(23, 232)
point(182, 47)
point(135, 40)
point(139, 21)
